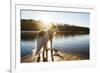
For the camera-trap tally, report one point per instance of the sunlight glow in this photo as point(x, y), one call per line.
point(46, 19)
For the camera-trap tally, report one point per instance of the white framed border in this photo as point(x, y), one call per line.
point(16, 66)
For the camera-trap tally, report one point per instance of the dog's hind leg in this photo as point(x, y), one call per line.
point(43, 53)
point(47, 54)
point(38, 59)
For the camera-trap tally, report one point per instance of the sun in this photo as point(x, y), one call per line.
point(46, 19)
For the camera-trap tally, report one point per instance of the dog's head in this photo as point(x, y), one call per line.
point(53, 27)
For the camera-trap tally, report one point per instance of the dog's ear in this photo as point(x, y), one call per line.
point(53, 25)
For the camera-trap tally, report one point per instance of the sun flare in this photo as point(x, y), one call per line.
point(46, 19)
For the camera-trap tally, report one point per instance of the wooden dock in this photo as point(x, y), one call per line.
point(59, 56)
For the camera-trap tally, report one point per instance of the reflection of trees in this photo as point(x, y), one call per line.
point(33, 35)
point(68, 34)
point(29, 35)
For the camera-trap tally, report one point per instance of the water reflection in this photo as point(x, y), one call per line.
point(74, 43)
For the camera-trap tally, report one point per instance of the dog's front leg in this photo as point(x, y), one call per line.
point(47, 54)
point(52, 57)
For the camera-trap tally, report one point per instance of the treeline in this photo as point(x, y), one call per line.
point(73, 28)
point(33, 25)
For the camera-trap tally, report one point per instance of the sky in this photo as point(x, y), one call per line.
point(72, 18)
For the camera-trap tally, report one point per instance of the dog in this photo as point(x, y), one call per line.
point(42, 39)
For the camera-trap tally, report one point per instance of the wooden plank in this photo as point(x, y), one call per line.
point(61, 56)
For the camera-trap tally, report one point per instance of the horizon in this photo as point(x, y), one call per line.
point(71, 18)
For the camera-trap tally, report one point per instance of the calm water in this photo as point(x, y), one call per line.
point(70, 43)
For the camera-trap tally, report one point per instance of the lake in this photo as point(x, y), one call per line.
point(73, 43)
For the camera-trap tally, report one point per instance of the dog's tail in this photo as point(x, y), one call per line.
point(38, 46)
point(35, 51)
